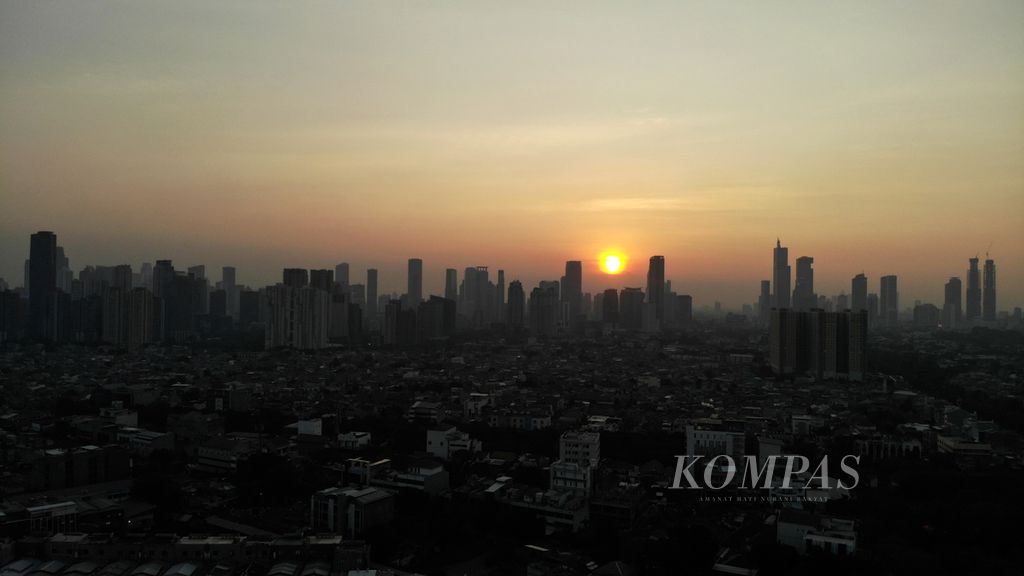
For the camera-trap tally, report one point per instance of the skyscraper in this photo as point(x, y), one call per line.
point(415, 289)
point(371, 297)
point(295, 277)
point(631, 308)
point(804, 297)
point(780, 276)
point(42, 283)
point(572, 288)
point(988, 310)
point(610, 306)
point(451, 284)
point(322, 279)
point(951, 308)
point(341, 275)
point(859, 293)
point(764, 302)
point(516, 304)
point(656, 286)
point(973, 291)
point(500, 312)
point(231, 294)
point(889, 301)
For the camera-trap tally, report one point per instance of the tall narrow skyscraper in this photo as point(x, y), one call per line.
point(451, 284)
point(804, 297)
point(415, 288)
point(656, 286)
point(764, 302)
point(500, 312)
point(231, 292)
point(780, 276)
point(859, 290)
point(516, 304)
point(889, 301)
point(42, 283)
point(951, 308)
point(973, 310)
point(572, 288)
point(988, 303)
point(341, 276)
point(371, 297)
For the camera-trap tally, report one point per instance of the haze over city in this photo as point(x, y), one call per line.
point(876, 138)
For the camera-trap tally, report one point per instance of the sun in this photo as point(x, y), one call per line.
point(612, 263)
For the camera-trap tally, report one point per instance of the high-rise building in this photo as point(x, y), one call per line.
point(951, 308)
point(341, 275)
point(322, 279)
point(227, 283)
point(572, 288)
point(200, 285)
point(295, 277)
point(415, 289)
point(499, 313)
point(371, 298)
point(297, 317)
point(544, 309)
point(780, 276)
point(656, 286)
point(804, 297)
point(973, 309)
point(988, 303)
point(516, 304)
point(42, 284)
point(764, 302)
point(889, 301)
point(684, 309)
point(823, 344)
point(631, 308)
point(451, 284)
point(610, 306)
point(859, 300)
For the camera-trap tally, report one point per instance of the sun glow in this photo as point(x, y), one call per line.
point(612, 263)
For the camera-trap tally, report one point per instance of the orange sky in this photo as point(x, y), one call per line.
point(877, 138)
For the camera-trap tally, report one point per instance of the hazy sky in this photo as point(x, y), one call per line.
point(883, 137)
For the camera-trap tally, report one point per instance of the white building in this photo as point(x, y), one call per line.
point(444, 441)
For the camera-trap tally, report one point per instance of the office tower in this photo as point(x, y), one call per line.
point(859, 287)
point(371, 297)
point(656, 286)
point(889, 301)
point(872, 308)
point(988, 310)
point(415, 288)
point(499, 315)
point(822, 344)
point(230, 287)
point(951, 307)
point(804, 297)
point(973, 291)
point(341, 275)
point(42, 283)
point(631, 308)
point(842, 303)
point(764, 302)
point(219, 303)
point(436, 319)
point(201, 287)
point(610, 306)
point(63, 274)
point(295, 277)
point(451, 284)
point(684, 309)
point(572, 288)
point(338, 325)
point(358, 293)
point(516, 304)
point(146, 273)
point(780, 276)
point(323, 280)
point(248, 308)
point(297, 317)
point(544, 309)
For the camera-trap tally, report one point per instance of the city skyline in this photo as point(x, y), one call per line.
point(869, 137)
point(857, 287)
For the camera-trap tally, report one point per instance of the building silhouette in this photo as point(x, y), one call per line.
point(451, 284)
point(631, 309)
point(952, 314)
point(42, 288)
point(415, 281)
point(764, 302)
point(988, 303)
point(516, 304)
point(371, 298)
point(859, 293)
point(295, 277)
point(780, 276)
point(973, 308)
point(826, 345)
point(889, 301)
point(341, 275)
point(804, 297)
point(656, 286)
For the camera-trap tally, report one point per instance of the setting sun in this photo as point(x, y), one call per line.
point(612, 263)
